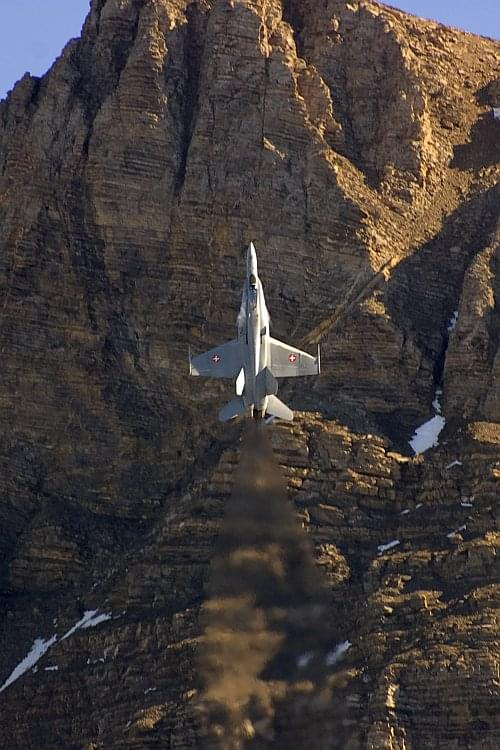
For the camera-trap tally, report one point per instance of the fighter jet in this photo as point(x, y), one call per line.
point(254, 358)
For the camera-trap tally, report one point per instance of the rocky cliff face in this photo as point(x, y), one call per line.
point(356, 146)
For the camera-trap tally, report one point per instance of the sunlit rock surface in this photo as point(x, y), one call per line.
point(356, 146)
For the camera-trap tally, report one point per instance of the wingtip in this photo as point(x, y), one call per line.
point(319, 360)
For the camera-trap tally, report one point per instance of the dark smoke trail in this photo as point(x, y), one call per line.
point(266, 621)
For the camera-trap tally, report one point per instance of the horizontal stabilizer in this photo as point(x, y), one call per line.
point(278, 409)
point(234, 408)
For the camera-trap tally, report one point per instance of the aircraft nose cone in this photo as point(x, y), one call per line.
point(251, 259)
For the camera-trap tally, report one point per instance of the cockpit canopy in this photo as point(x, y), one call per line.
point(252, 291)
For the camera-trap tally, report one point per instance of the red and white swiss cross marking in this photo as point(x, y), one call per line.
point(216, 359)
point(292, 358)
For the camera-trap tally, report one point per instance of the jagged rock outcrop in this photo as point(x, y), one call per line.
point(356, 146)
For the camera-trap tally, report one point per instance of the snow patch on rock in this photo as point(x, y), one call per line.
point(38, 649)
point(427, 435)
point(338, 652)
point(384, 547)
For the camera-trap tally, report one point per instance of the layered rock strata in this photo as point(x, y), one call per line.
point(356, 146)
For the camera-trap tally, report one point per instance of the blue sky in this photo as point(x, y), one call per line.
point(33, 32)
point(478, 16)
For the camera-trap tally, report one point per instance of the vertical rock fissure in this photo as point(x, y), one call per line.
point(94, 86)
point(263, 118)
point(193, 55)
point(438, 372)
point(293, 14)
point(494, 319)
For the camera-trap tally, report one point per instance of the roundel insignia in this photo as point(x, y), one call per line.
point(292, 358)
point(216, 359)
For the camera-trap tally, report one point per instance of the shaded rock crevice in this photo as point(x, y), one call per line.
point(293, 14)
point(102, 55)
point(194, 34)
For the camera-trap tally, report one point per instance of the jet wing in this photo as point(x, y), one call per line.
point(288, 362)
point(224, 361)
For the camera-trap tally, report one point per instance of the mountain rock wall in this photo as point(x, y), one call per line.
point(356, 146)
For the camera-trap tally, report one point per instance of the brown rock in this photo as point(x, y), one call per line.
point(355, 145)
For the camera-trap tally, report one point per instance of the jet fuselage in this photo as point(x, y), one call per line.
point(253, 332)
point(254, 358)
